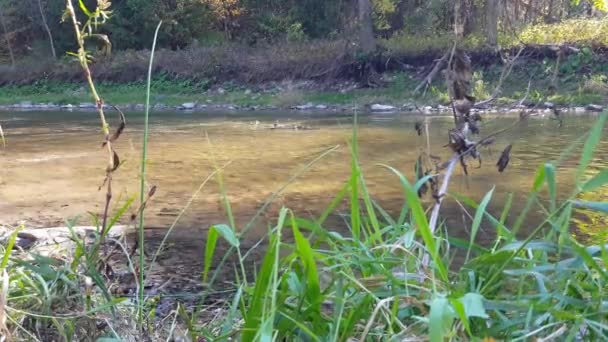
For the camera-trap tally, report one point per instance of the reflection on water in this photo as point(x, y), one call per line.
point(53, 166)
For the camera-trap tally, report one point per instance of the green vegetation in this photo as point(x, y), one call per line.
point(581, 82)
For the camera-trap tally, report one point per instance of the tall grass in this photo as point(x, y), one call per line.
point(142, 184)
point(372, 284)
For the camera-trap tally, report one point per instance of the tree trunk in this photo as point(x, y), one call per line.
point(47, 29)
point(492, 22)
point(367, 43)
point(458, 19)
point(549, 15)
point(8, 41)
point(470, 13)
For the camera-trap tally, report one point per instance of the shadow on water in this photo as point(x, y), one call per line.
point(52, 168)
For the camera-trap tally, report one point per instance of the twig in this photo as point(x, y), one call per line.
point(82, 57)
point(526, 94)
point(442, 191)
point(506, 71)
point(557, 333)
point(431, 75)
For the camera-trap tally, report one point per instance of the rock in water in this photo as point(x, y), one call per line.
point(595, 108)
point(382, 108)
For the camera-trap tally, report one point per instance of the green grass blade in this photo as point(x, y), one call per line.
point(422, 224)
point(369, 207)
point(229, 321)
point(597, 206)
point(597, 181)
point(214, 233)
point(590, 145)
point(440, 319)
point(121, 211)
point(551, 185)
point(142, 185)
point(477, 220)
point(306, 254)
point(502, 228)
point(8, 250)
point(334, 203)
point(355, 212)
point(255, 310)
point(539, 179)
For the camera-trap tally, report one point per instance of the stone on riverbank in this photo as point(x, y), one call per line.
point(382, 108)
point(307, 106)
point(87, 105)
point(187, 106)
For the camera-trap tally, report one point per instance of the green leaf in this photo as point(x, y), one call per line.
point(263, 288)
point(313, 289)
point(473, 305)
point(209, 252)
point(84, 8)
point(590, 145)
point(501, 228)
point(477, 220)
point(214, 232)
point(539, 179)
point(588, 259)
point(597, 206)
point(440, 319)
point(597, 181)
point(355, 213)
point(9, 248)
point(422, 224)
point(550, 175)
point(460, 311)
point(119, 214)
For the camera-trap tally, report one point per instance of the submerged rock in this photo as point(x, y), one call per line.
point(382, 108)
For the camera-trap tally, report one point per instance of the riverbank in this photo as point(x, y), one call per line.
point(397, 92)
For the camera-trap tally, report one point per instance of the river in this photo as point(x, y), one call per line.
point(52, 168)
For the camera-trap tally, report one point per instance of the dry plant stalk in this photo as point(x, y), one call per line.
point(5, 334)
point(113, 160)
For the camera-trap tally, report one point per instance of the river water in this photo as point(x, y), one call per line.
point(52, 167)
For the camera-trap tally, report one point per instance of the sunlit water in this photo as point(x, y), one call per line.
point(53, 166)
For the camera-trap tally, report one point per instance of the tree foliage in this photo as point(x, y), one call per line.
point(255, 21)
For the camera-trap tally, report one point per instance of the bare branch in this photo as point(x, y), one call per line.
point(429, 78)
